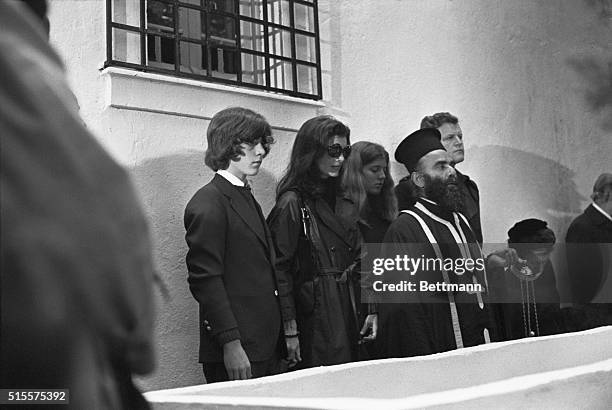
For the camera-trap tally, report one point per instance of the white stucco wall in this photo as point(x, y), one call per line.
point(513, 72)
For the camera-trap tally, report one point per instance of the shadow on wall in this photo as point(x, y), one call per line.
point(596, 72)
point(598, 95)
point(515, 185)
point(603, 8)
point(165, 185)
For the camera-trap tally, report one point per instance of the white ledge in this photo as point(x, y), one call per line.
point(164, 94)
point(126, 72)
point(572, 370)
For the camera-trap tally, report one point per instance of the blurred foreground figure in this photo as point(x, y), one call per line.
point(76, 261)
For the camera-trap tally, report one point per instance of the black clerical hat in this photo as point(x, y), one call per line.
point(417, 145)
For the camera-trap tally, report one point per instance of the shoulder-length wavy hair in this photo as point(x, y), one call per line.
point(311, 142)
point(231, 127)
point(362, 154)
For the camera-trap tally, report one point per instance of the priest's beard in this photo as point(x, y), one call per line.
point(445, 193)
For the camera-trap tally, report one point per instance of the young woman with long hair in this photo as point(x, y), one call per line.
point(369, 200)
point(316, 248)
point(367, 183)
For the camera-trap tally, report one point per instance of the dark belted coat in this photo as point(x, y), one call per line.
point(325, 316)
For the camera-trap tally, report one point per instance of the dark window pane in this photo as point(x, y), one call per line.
point(222, 30)
point(160, 16)
point(126, 46)
point(221, 5)
point(281, 75)
point(160, 51)
point(224, 63)
point(307, 79)
point(303, 17)
point(252, 36)
point(126, 12)
point(252, 8)
point(305, 48)
point(194, 2)
point(278, 12)
point(253, 69)
point(280, 42)
point(192, 23)
point(193, 58)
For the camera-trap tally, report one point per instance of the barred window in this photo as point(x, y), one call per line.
point(265, 44)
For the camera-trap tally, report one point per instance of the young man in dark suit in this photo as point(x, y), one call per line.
point(231, 258)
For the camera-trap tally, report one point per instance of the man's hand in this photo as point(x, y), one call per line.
point(293, 343)
point(370, 328)
point(503, 258)
point(236, 361)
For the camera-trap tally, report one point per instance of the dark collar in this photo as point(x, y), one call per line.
point(226, 187)
point(334, 220)
point(239, 204)
point(436, 209)
point(596, 217)
point(463, 178)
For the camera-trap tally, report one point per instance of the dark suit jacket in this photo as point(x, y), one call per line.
point(585, 262)
point(231, 273)
point(471, 203)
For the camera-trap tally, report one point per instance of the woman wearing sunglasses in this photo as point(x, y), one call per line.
point(316, 248)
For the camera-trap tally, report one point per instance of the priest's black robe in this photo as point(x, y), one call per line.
point(515, 313)
point(423, 325)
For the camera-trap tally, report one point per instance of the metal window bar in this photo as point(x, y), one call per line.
point(293, 55)
point(144, 31)
point(264, 5)
point(143, 37)
point(177, 41)
point(317, 48)
point(238, 39)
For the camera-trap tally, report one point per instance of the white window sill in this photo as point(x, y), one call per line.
point(163, 94)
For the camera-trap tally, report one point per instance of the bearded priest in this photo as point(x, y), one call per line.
point(434, 231)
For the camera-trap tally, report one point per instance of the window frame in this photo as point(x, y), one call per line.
point(266, 54)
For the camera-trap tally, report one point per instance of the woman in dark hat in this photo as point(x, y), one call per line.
point(523, 286)
point(315, 247)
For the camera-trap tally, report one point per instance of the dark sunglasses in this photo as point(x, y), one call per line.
point(336, 150)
